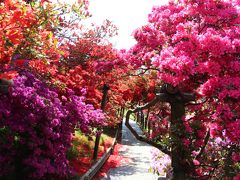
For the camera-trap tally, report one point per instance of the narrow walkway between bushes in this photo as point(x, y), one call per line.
point(140, 155)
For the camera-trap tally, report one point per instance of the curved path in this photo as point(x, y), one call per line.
point(139, 153)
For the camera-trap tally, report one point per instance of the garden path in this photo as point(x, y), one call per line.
point(139, 154)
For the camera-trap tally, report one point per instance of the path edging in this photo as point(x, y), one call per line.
point(98, 165)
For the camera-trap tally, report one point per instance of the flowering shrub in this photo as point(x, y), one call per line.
point(91, 62)
point(36, 129)
point(194, 45)
point(29, 31)
point(160, 163)
point(37, 121)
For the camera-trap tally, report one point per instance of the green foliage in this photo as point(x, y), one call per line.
point(72, 153)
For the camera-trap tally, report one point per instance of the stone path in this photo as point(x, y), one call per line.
point(139, 153)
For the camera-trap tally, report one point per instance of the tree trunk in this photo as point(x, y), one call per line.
point(146, 119)
point(98, 136)
point(122, 112)
point(142, 119)
point(177, 112)
point(97, 141)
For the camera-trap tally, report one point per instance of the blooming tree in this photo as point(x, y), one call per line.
point(91, 62)
point(194, 46)
point(28, 32)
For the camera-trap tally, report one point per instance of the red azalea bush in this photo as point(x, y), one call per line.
point(91, 63)
point(31, 31)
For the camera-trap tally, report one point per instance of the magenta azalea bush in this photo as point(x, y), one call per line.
point(36, 129)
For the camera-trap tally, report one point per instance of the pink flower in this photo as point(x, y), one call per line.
point(201, 134)
point(186, 142)
point(199, 143)
point(215, 129)
point(236, 157)
point(194, 153)
point(55, 122)
point(196, 162)
point(188, 128)
point(237, 177)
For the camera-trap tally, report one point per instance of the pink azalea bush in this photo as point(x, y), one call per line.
point(36, 129)
point(195, 45)
point(160, 163)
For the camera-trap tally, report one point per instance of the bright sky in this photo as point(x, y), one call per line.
point(127, 15)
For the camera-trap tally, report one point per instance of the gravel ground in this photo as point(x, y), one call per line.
point(139, 153)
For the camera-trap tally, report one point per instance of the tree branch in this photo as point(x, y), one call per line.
point(198, 103)
point(204, 145)
point(142, 138)
point(161, 97)
point(143, 72)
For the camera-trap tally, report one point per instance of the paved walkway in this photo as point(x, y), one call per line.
point(139, 153)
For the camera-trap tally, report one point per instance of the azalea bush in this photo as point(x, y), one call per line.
point(29, 31)
point(160, 163)
point(194, 47)
point(57, 85)
point(36, 128)
point(91, 63)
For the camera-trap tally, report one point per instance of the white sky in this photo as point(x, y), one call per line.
point(127, 15)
